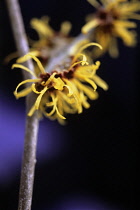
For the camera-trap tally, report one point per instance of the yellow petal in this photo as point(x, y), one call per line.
point(100, 82)
point(86, 89)
point(70, 90)
point(65, 27)
point(38, 100)
point(23, 93)
point(54, 101)
point(89, 26)
point(24, 82)
point(74, 64)
point(128, 37)
point(29, 56)
point(42, 27)
point(94, 3)
point(113, 49)
point(24, 68)
point(34, 89)
point(92, 83)
point(58, 83)
point(126, 24)
point(88, 45)
point(58, 113)
point(32, 110)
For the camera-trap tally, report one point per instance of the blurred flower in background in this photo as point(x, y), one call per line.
point(111, 21)
point(50, 42)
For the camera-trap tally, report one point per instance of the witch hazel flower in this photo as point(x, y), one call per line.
point(64, 90)
point(111, 21)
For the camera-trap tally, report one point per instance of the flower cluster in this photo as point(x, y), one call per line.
point(66, 89)
point(111, 21)
point(65, 86)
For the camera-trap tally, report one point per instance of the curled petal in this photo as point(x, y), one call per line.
point(24, 68)
point(70, 90)
point(22, 83)
point(34, 89)
point(29, 56)
point(88, 45)
point(79, 62)
point(54, 102)
point(23, 92)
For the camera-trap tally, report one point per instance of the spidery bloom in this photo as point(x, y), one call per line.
point(66, 89)
point(111, 21)
point(50, 42)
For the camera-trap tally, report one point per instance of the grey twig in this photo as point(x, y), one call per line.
point(31, 132)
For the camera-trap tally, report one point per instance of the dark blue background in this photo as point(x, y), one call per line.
point(90, 163)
